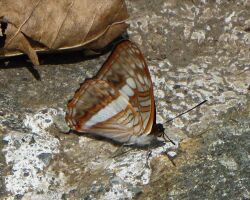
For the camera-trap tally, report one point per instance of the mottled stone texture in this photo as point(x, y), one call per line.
point(196, 50)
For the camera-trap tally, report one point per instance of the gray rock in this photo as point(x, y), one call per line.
point(45, 157)
point(195, 50)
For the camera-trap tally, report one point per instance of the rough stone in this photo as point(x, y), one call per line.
point(195, 50)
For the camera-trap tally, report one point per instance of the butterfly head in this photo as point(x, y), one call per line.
point(158, 130)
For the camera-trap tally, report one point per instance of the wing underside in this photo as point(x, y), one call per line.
point(118, 103)
point(127, 70)
point(100, 109)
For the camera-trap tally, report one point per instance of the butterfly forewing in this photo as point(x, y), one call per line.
point(118, 103)
point(127, 70)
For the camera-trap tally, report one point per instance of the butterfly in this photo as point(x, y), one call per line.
point(118, 103)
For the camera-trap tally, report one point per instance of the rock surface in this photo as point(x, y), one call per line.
point(196, 50)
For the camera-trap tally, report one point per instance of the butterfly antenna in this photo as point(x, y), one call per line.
point(171, 160)
point(186, 111)
point(120, 151)
point(166, 138)
point(66, 132)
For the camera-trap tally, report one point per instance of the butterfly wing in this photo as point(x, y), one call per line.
point(118, 103)
point(127, 71)
point(100, 109)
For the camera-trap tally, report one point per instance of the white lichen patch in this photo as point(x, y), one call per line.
point(28, 153)
point(229, 163)
point(178, 123)
point(134, 167)
point(117, 191)
point(187, 30)
point(229, 18)
point(165, 65)
point(199, 35)
point(40, 121)
point(159, 93)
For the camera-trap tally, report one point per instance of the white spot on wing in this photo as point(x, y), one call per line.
point(133, 65)
point(137, 50)
point(146, 80)
point(138, 63)
point(145, 103)
point(127, 90)
point(140, 78)
point(131, 83)
point(143, 98)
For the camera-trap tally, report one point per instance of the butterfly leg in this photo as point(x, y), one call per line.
point(167, 139)
point(149, 153)
point(120, 151)
point(171, 159)
point(67, 132)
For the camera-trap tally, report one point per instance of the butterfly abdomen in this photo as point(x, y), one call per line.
point(145, 140)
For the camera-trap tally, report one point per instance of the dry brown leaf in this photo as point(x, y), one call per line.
point(28, 26)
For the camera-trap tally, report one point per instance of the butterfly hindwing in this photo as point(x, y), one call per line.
point(100, 109)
